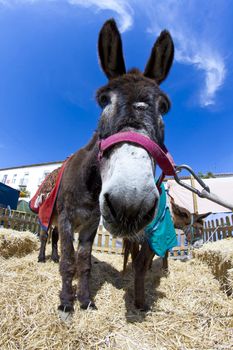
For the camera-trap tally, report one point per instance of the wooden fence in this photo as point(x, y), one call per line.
point(18, 220)
point(104, 242)
point(215, 230)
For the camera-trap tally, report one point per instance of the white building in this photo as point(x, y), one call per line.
point(27, 177)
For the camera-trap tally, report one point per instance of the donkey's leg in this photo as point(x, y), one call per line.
point(43, 241)
point(150, 264)
point(165, 263)
point(141, 265)
point(129, 248)
point(83, 263)
point(67, 263)
point(55, 256)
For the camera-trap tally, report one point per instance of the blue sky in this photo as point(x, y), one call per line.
point(49, 73)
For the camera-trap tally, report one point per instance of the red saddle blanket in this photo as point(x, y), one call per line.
point(43, 202)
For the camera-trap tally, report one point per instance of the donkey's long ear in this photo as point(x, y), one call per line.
point(161, 58)
point(200, 217)
point(110, 50)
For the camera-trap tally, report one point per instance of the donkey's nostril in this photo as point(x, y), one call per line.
point(110, 206)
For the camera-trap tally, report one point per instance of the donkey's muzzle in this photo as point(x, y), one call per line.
point(124, 220)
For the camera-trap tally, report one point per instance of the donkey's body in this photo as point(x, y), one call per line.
point(78, 193)
point(120, 186)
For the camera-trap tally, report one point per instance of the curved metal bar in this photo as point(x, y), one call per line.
point(205, 193)
point(179, 168)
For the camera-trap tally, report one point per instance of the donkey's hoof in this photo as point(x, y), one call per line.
point(165, 272)
point(142, 308)
point(88, 305)
point(55, 259)
point(65, 312)
point(41, 259)
point(66, 308)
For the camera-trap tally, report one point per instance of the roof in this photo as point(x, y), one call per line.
point(32, 165)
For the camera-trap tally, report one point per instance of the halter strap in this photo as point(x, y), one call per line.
point(161, 156)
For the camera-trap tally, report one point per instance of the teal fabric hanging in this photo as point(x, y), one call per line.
point(160, 232)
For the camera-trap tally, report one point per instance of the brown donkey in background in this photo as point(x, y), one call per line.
point(182, 219)
point(120, 186)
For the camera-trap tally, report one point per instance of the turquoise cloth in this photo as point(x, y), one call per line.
point(160, 232)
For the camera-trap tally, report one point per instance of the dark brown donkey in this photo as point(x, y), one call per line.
point(120, 186)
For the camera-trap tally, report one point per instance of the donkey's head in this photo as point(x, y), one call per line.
point(183, 219)
point(130, 101)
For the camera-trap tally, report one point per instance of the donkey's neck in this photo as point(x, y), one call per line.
point(91, 167)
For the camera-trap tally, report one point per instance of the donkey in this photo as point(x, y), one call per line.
point(35, 203)
point(182, 219)
point(186, 221)
point(119, 184)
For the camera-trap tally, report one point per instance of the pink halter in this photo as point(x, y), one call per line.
point(161, 156)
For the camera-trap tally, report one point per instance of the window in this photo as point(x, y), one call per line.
point(23, 182)
point(41, 179)
point(14, 178)
point(4, 178)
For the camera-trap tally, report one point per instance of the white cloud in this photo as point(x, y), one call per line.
point(214, 72)
point(121, 7)
point(193, 28)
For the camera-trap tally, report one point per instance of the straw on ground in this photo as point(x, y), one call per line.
point(189, 310)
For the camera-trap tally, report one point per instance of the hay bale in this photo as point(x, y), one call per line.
point(230, 279)
point(15, 243)
point(188, 310)
point(219, 257)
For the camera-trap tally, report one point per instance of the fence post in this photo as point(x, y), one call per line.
point(228, 224)
point(195, 206)
point(223, 228)
point(100, 234)
point(218, 230)
point(213, 233)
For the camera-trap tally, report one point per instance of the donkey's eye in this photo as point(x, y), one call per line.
point(104, 100)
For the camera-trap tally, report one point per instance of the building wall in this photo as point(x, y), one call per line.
point(27, 178)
